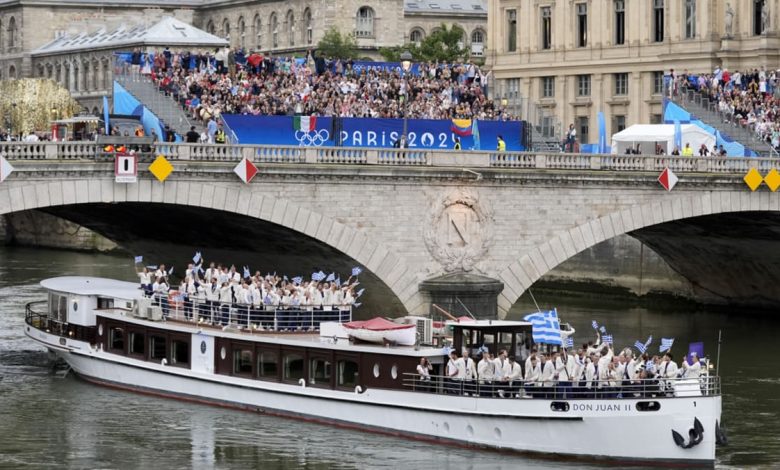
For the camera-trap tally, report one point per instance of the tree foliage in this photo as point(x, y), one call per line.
point(443, 45)
point(335, 45)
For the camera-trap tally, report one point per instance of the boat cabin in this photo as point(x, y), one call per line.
point(495, 335)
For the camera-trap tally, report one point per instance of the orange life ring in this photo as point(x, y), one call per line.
point(174, 301)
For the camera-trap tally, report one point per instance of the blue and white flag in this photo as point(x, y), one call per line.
point(316, 276)
point(603, 329)
point(359, 293)
point(297, 279)
point(338, 281)
point(357, 304)
point(284, 278)
point(356, 271)
point(197, 257)
point(447, 350)
point(331, 277)
point(152, 266)
point(649, 340)
point(595, 325)
point(666, 344)
point(139, 259)
point(545, 327)
point(640, 346)
point(483, 349)
point(607, 339)
point(246, 272)
point(170, 271)
point(569, 342)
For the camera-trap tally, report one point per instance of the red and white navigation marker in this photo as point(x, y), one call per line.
point(5, 169)
point(245, 170)
point(668, 179)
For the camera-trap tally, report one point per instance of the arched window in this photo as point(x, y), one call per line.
point(477, 43)
point(12, 35)
point(226, 29)
point(308, 35)
point(210, 27)
point(416, 36)
point(364, 27)
point(241, 32)
point(289, 21)
point(274, 27)
point(107, 79)
point(2, 41)
point(258, 32)
point(12, 72)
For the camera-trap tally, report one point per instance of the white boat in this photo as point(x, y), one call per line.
point(379, 330)
point(110, 335)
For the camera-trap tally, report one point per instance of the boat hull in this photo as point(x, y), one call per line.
point(612, 429)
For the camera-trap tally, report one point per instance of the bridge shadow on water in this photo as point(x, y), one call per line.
point(170, 234)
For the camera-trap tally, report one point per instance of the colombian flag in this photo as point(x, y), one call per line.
point(461, 127)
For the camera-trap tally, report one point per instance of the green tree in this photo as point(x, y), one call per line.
point(443, 45)
point(335, 45)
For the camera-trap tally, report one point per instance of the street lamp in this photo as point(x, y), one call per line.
point(406, 67)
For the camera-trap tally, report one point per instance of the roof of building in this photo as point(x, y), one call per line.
point(446, 6)
point(167, 32)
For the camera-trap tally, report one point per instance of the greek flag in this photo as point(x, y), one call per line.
point(447, 350)
point(595, 325)
point(246, 272)
point(666, 344)
point(170, 271)
point(483, 349)
point(607, 339)
point(569, 342)
point(359, 293)
point(318, 276)
point(545, 327)
point(139, 259)
point(603, 329)
point(297, 279)
point(356, 271)
point(640, 346)
point(197, 257)
point(331, 277)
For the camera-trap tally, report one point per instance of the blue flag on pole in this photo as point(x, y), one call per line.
point(678, 135)
point(196, 258)
point(608, 339)
point(356, 271)
point(331, 277)
point(697, 348)
point(603, 329)
point(666, 344)
point(139, 259)
point(569, 342)
point(105, 115)
point(297, 279)
point(246, 272)
point(602, 133)
point(545, 327)
point(475, 135)
point(595, 325)
point(640, 346)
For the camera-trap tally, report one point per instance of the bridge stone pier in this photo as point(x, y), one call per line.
point(413, 216)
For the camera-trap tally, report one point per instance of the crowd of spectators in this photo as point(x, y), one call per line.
point(232, 82)
point(749, 99)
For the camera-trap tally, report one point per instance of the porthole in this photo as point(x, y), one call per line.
point(559, 406)
point(75, 305)
point(394, 372)
point(100, 330)
point(203, 348)
point(648, 406)
point(469, 431)
point(223, 352)
point(376, 371)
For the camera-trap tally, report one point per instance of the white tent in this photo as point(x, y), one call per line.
point(647, 136)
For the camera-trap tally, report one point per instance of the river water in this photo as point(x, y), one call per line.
point(47, 421)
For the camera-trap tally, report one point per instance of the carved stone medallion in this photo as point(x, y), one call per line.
point(459, 231)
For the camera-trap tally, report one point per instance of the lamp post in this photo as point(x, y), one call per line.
point(406, 67)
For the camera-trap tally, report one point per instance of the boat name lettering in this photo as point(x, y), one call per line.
point(601, 407)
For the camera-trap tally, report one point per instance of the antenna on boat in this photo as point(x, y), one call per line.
point(534, 299)
point(465, 308)
point(717, 363)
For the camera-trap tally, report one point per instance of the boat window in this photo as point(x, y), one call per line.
point(242, 361)
point(137, 343)
point(116, 339)
point(376, 370)
point(180, 352)
point(293, 367)
point(394, 372)
point(319, 372)
point(157, 348)
point(489, 340)
point(648, 406)
point(103, 303)
point(348, 374)
point(559, 406)
point(504, 341)
point(267, 367)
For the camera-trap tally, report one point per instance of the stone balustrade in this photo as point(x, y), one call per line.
point(396, 157)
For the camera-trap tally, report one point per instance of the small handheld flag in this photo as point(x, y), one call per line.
point(603, 329)
point(356, 271)
point(595, 325)
point(246, 272)
point(608, 339)
point(331, 277)
point(649, 340)
point(170, 271)
point(666, 344)
point(640, 346)
point(196, 258)
point(139, 259)
point(338, 281)
point(359, 293)
point(356, 305)
point(570, 342)
point(297, 279)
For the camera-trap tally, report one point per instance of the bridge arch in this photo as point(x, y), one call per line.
point(386, 265)
point(530, 266)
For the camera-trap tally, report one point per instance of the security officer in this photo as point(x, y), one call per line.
point(220, 137)
point(457, 144)
point(501, 147)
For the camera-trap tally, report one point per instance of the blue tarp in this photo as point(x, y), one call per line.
point(369, 132)
point(125, 103)
point(673, 112)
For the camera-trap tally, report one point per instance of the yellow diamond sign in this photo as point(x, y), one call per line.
point(161, 168)
point(772, 179)
point(753, 179)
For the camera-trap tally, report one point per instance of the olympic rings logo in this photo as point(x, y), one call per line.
point(313, 138)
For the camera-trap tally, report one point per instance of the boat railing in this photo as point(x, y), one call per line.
point(40, 319)
point(705, 385)
point(253, 317)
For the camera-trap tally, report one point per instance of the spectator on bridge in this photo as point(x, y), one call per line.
point(192, 136)
point(687, 150)
point(704, 151)
point(501, 145)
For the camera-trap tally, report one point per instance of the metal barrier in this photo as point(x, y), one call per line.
point(706, 385)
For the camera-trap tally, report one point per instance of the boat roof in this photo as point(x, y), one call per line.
point(86, 285)
point(489, 323)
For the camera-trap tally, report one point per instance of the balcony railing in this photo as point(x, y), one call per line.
point(37, 316)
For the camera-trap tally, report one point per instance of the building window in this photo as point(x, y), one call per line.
point(758, 11)
point(242, 362)
point(309, 35)
point(620, 22)
point(137, 343)
point(583, 85)
point(548, 87)
point(116, 339)
point(158, 349)
point(656, 119)
point(320, 372)
point(258, 32)
point(241, 32)
point(618, 124)
point(582, 24)
point(226, 29)
point(347, 374)
point(12, 34)
point(274, 27)
point(416, 36)
point(180, 353)
point(290, 21)
point(690, 19)
point(293, 367)
point(583, 127)
point(546, 28)
point(267, 367)
point(365, 22)
point(477, 42)
point(658, 20)
point(511, 30)
point(658, 83)
point(512, 88)
point(210, 27)
point(621, 84)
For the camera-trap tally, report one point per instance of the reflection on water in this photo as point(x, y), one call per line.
point(46, 421)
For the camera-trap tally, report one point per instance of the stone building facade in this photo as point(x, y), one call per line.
point(574, 58)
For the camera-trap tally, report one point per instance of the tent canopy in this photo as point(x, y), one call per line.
point(647, 136)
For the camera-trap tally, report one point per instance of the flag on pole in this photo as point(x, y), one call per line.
point(666, 344)
point(595, 325)
point(246, 272)
point(697, 348)
point(170, 271)
point(608, 339)
point(197, 257)
point(475, 135)
point(603, 329)
point(545, 327)
point(602, 133)
point(297, 279)
point(640, 346)
point(356, 271)
point(678, 135)
point(359, 293)
point(139, 259)
point(331, 277)
point(569, 342)
point(305, 123)
point(649, 340)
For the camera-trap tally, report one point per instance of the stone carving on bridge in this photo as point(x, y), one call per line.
point(459, 232)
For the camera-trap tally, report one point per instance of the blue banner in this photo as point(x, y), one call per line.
point(369, 132)
point(125, 103)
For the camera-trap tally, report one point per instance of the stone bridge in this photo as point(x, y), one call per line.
point(409, 216)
